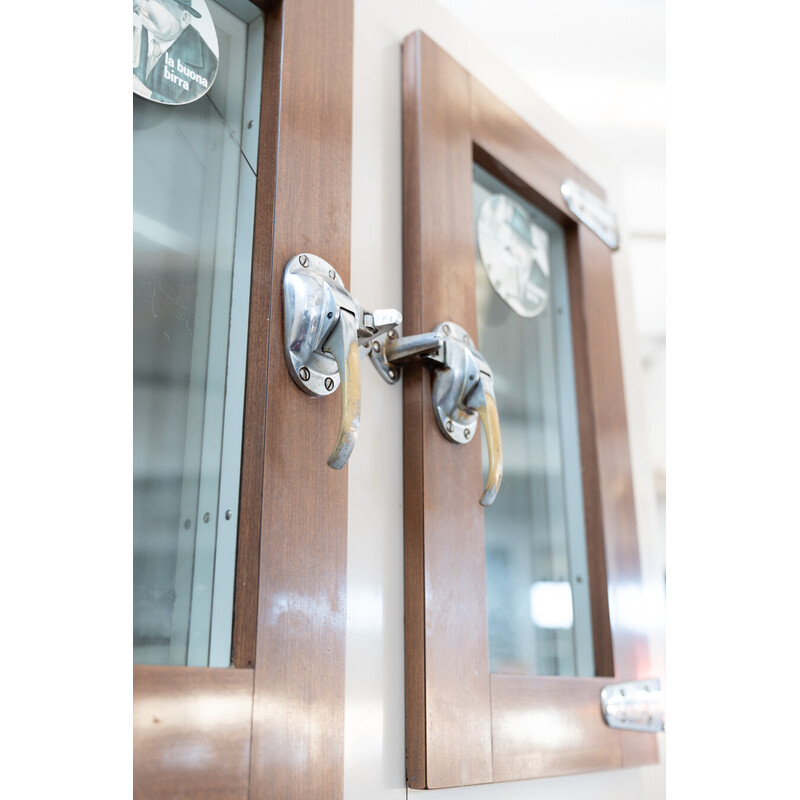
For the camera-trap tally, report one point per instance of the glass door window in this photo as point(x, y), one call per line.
point(536, 570)
point(194, 178)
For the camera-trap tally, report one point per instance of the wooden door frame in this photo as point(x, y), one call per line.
point(273, 724)
point(464, 725)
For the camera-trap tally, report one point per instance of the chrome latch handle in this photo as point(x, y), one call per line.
point(462, 391)
point(323, 326)
point(633, 706)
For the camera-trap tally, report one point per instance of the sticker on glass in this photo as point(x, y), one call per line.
point(514, 251)
point(175, 50)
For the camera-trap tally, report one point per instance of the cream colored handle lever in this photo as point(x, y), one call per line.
point(342, 344)
point(483, 401)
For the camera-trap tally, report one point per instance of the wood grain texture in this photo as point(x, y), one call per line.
point(450, 729)
point(245, 616)
point(298, 708)
point(590, 467)
point(191, 732)
point(615, 477)
point(413, 485)
point(550, 726)
point(539, 726)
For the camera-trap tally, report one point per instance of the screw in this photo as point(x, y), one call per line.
point(329, 384)
point(330, 314)
point(392, 374)
point(250, 125)
point(466, 433)
point(449, 426)
point(206, 517)
point(472, 377)
point(228, 514)
point(376, 346)
point(392, 334)
point(304, 374)
point(304, 261)
point(332, 274)
point(446, 330)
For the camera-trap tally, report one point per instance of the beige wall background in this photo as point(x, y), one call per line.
point(374, 716)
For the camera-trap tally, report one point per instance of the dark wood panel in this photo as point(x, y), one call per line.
point(245, 618)
point(539, 726)
point(413, 487)
point(631, 649)
point(444, 534)
point(191, 732)
point(298, 709)
point(542, 727)
point(592, 495)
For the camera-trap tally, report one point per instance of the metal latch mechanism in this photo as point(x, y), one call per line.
point(591, 211)
point(634, 706)
point(324, 326)
point(462, 391)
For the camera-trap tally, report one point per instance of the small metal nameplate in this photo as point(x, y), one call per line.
point(592, 212)
point(634, 706)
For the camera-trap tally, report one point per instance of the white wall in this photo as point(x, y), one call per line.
point(375, 714)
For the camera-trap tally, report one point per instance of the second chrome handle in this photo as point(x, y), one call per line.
point(462, 390)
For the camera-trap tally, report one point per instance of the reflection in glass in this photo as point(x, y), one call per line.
point(538, 599)
point(194, 189)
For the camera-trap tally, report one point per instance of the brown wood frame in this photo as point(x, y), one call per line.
point(273, 726)
point(464, 725)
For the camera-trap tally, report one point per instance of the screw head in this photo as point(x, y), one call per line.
point(376, 346)
point(446, 330)
point(331, 274)
point(304, 260)
point(206, 517)
point(466, 433)
point(304, 374)
point(228, 514)
point(392, 334)
point(392, 374)
point(329, 384)
point(450, 426)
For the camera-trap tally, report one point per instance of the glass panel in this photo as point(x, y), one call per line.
point(193, 208)
point(538, 599)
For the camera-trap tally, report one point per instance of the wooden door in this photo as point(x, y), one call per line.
point(271, 725)
point(466, 725)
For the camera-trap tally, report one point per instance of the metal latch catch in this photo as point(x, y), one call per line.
point(634, 706)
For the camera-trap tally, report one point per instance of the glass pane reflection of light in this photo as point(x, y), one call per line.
point(551, 604)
